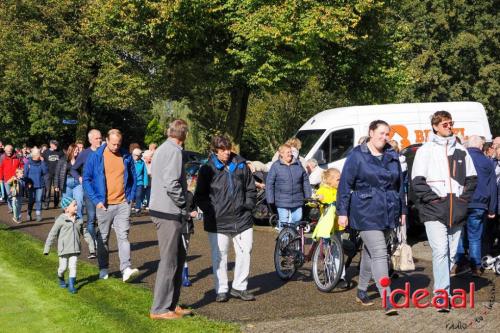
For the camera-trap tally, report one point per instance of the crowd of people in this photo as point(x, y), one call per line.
point(455, 183)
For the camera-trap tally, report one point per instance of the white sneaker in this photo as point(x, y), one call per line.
point(129, 274)
point(103, 274)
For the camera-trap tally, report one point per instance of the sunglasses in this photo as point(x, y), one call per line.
point(447, 124)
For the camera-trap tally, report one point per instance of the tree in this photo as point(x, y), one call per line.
point(452, 52)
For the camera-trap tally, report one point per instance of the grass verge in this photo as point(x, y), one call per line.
point(31, 300)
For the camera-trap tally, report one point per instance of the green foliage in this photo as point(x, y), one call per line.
point(452, 52)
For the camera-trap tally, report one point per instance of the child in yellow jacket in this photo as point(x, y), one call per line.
point(327, 194)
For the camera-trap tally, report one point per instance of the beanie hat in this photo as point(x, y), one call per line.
point(66, 201)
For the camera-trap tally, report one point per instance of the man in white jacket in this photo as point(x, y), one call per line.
point(444, 179)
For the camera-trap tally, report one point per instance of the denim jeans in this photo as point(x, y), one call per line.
point(74, 190)
point(289, 215)
point(139, 196)
point(90, 207)
point(147, 195)
point(8, 198)
point(35, 197)
point(474, 230)
point(2, 191)
point(443, 242)
point(17, 202)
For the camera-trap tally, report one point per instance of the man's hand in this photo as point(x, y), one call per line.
point(193, 214)
point(56, 189)
point(343, 221)
point(80, 179)
point(100, 205)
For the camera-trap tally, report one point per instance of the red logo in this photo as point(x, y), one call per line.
point(420, 297)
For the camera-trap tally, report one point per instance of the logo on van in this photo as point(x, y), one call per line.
point(420, 135)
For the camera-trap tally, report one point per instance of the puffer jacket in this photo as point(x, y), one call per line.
point(68, 235)
point(287, 185)
point(371, 191)
point(63, 170)
point(226, 194)
point(444, 180)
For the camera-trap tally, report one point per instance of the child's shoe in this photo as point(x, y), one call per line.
point(62, 283)
point(71, 287)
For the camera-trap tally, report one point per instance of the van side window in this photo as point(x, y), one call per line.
point(338, 144)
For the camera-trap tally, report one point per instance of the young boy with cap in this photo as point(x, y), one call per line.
point(67, 229)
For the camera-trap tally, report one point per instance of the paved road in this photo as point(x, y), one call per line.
point(293, 306)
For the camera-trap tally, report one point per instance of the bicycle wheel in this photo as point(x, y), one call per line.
point(328, 263)
point(285, 253)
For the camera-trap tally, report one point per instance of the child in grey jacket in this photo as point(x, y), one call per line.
point(68, 230)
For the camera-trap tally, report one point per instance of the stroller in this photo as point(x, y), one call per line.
point(263, 211)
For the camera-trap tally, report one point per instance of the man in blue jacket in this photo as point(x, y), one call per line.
point(109, 180)
point(482, 204)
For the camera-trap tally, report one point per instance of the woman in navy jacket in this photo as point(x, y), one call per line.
point(371, 200)
point(287, 185)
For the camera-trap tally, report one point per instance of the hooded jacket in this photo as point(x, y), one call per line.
point(226, 194)
point(68, 235)
point(444, 180)
point(485, 195)
point(371, 191)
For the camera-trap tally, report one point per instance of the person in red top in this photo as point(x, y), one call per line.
point(10, 163)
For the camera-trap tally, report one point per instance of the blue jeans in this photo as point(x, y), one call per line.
point(8, 198)
point(17, 202)
point(474, 229)
point(139, 196)
point(147, 195)
point(74, 190)
point(90, 207)
point(443, 242)
point(35, 197)
point(289, 215)
point(2, 191)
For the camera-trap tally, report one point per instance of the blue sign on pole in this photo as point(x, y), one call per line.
point(70, 121)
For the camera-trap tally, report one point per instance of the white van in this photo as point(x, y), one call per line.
point(330, 135)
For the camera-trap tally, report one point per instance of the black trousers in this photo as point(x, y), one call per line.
point(49, 181)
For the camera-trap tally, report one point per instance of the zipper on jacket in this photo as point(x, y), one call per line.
point(449, 180)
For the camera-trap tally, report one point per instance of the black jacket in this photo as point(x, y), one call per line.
point(226, 194)
point(62, 172)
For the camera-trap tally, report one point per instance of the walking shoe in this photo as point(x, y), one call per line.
point(242, 294)
point(165, 316)
point(71, 287)
point(103, 274)
point(343, 284)
point(92, 256)
point(477, 271)
point(389, 309)
point(39, 218)
point(459, 269)
point(61, 281)
point(362, 297)
point(129, 274)
point(183, 312)
point(440, 302)
point(221, 297)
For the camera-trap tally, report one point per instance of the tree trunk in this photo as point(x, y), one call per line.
point(235, 121)
point(86, 105)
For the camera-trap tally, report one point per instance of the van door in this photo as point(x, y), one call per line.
point(336, 147)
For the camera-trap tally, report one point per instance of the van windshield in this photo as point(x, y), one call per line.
point(308, 138)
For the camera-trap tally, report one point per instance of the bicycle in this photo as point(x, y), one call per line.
point(327, 256)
